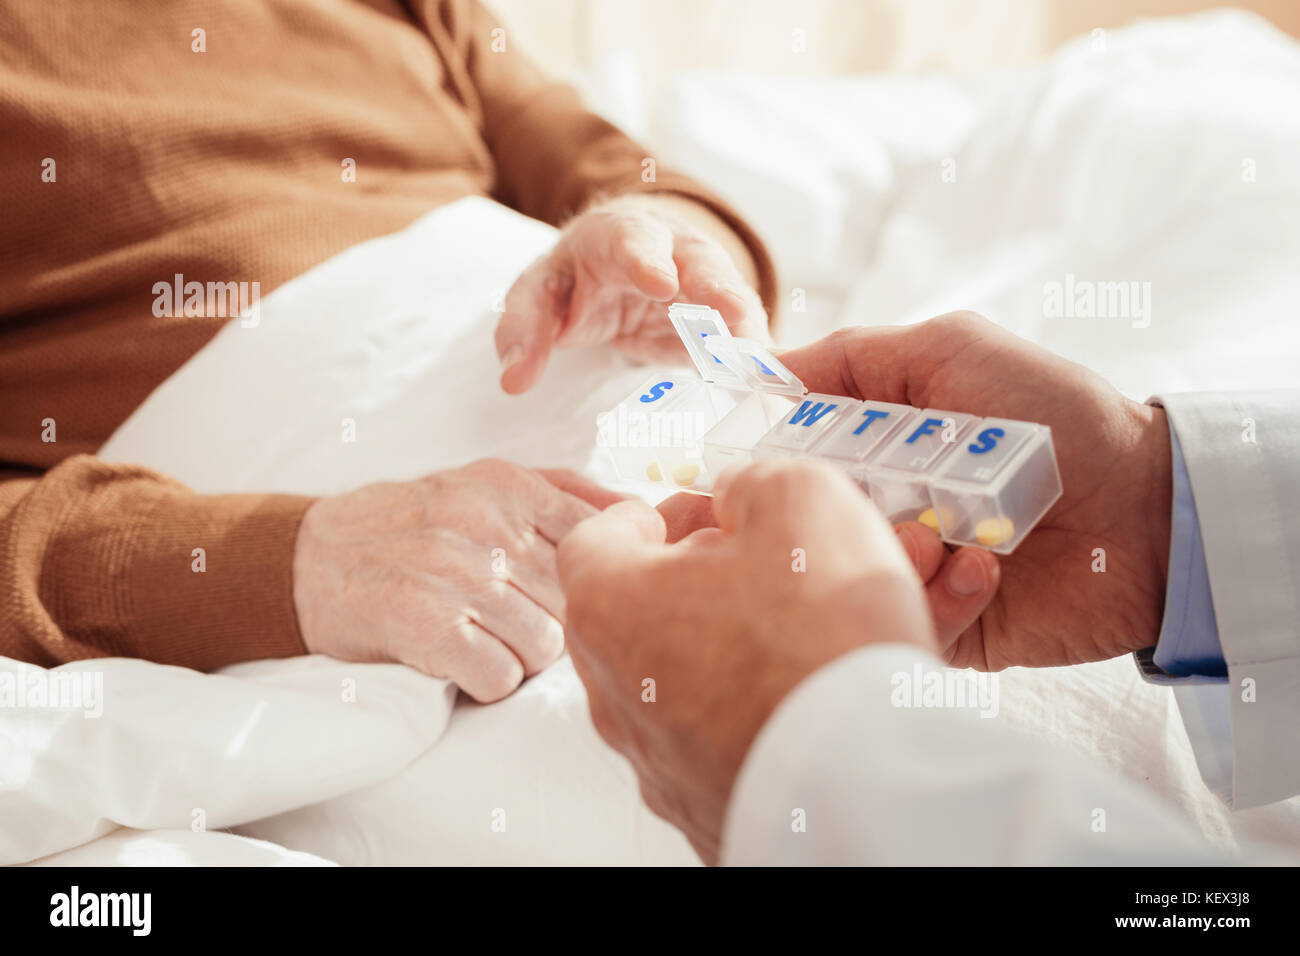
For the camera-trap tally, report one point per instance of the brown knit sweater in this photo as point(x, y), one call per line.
point(128, 155)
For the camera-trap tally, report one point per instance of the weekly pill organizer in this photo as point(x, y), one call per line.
point(981, 481)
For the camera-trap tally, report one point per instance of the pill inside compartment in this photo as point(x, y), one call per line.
point(655, 434)
point(897, 476)
point(993, 488)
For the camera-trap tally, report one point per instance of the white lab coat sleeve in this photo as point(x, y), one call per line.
point(1242, 451)
point(844, 774)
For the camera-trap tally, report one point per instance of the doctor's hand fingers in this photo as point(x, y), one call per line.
point(624, 532)
point(902, 364)
point(804, 502)
point(924, 548)
point(958, 585)
point(961, 362)
point(954, 360)
point(961, 590)
point(870, 362)
point(604, 564)
point(685, 513)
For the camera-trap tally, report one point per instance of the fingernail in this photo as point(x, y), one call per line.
point(511, 356)
point(966, 577)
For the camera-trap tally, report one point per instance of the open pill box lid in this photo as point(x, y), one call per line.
point(722, 359)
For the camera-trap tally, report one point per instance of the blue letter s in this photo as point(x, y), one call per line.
point(988, 440)
point(656, 392)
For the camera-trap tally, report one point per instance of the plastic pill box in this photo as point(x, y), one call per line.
point(981, 481)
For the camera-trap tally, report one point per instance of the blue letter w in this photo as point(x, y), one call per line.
point(810, 411)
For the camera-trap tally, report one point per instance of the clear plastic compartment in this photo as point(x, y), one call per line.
point(698, 413)
point(897, 475)
point(976, 481)
point(732, 441)
point(756, 367)
point(655, 433)
point(810, 417)
point(695, 324)
point(861, 430)
point(998, 484)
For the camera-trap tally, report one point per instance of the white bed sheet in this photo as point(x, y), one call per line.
point(178, 848)
point(395, 334)
point(1168, 157)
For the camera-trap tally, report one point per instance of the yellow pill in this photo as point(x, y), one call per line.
point(685, 475)
point(929, 519)
point(994, 531)
point(653, 473)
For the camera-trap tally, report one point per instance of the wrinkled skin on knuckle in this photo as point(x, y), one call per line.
point(482, 506)
point(550, 643)
point(692, 242)
point(477, 663)
point(481, 595)
point(962, 324)
point(498, 681)
point(944, 338)
point(627, 243)
point(844, 339)
point(491, 471)
point(386, 572)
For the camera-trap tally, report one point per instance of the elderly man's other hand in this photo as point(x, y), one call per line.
point(609, 279)
point(686, 648)
point(453, 574)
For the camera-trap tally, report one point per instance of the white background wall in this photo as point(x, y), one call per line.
point(842, 36)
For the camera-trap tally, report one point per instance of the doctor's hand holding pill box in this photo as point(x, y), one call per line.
point(1113, 456)
point(978, 435)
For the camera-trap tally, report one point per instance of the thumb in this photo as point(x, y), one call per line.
point(960, 591)
point(610, 543)
point(958, 585)
point(783, 493)
point(869, 362)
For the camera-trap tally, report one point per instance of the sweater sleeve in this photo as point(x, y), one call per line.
point(552, 155)
point(104, 560)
